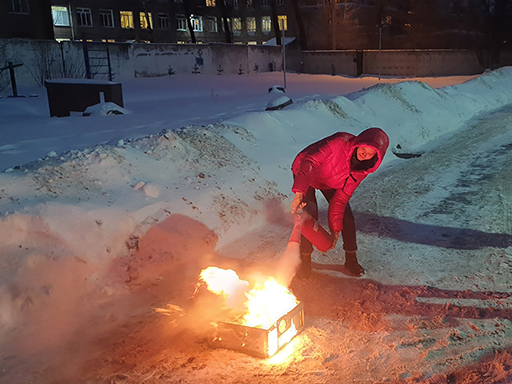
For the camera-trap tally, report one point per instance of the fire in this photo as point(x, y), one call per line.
point(225, 282)
point(267, 302)
point(264, 307)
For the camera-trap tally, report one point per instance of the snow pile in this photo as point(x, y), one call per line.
point(105, 109)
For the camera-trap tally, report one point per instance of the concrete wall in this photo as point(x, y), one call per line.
point(46, 59)
point(330, 62)
point(419, 63)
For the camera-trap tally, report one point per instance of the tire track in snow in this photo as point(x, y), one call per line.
point(450, 179)
point(443, 218)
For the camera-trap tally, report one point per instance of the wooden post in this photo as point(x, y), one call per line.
point(10, 66)
point(13, 80)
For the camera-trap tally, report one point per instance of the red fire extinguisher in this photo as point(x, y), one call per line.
point(315, 233)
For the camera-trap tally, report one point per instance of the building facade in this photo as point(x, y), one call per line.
point(171, 21)
point(31, 19)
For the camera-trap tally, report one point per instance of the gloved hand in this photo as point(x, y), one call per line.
point(297, 203)
point(335, 238)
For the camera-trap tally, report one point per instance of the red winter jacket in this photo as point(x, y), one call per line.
point(326, 164)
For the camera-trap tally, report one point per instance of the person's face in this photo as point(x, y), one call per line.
point(365, 153)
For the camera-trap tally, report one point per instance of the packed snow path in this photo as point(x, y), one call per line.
point(435, 300)
point(441, 207)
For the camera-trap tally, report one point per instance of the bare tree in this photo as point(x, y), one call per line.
point(148, 21)
point(45, 61)
point(275, 21)
point(188, 15)
point(303, 43)
point(226, 13)
point(486, 24)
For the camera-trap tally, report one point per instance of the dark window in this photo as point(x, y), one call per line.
point(163, 21)
point(107, 18)
point(84, 17)
point(20, 6)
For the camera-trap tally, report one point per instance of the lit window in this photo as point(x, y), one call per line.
point(107, 18)
point(266, 24)
point(146, 21)
point(126, 19)
point(84, 17)
point(197, 23)
point(213, 25)
point(237, 25)
point(60, 16)
point(181, 24)
point(282, 22)
point(20, 6)
point(251, 24)
point(210, 3)
point(252, 43)
point(163, 21)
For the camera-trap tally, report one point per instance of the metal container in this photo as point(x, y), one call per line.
point(259, 342)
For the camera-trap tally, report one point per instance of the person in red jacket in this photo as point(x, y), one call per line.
point(335, 165)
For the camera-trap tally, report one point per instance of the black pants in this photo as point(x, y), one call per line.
point(348, 233)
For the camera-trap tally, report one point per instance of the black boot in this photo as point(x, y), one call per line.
point(352, 265)
point(304, 270)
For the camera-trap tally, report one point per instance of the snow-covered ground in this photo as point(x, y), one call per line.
point(105, 218)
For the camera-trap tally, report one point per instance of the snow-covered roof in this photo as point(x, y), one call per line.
point(287, 40)
point(80, 81)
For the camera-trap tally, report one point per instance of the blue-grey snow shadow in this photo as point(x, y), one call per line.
point(428, 234)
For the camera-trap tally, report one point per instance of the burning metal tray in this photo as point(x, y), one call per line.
point(259, 342)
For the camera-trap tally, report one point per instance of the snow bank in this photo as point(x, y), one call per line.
point(412, 113)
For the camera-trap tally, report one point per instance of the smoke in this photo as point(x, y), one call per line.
point(224, 297)
point(288, 264)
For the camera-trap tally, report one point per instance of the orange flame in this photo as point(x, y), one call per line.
point(265, 303)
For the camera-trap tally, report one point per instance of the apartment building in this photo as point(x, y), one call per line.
point(169, 21)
